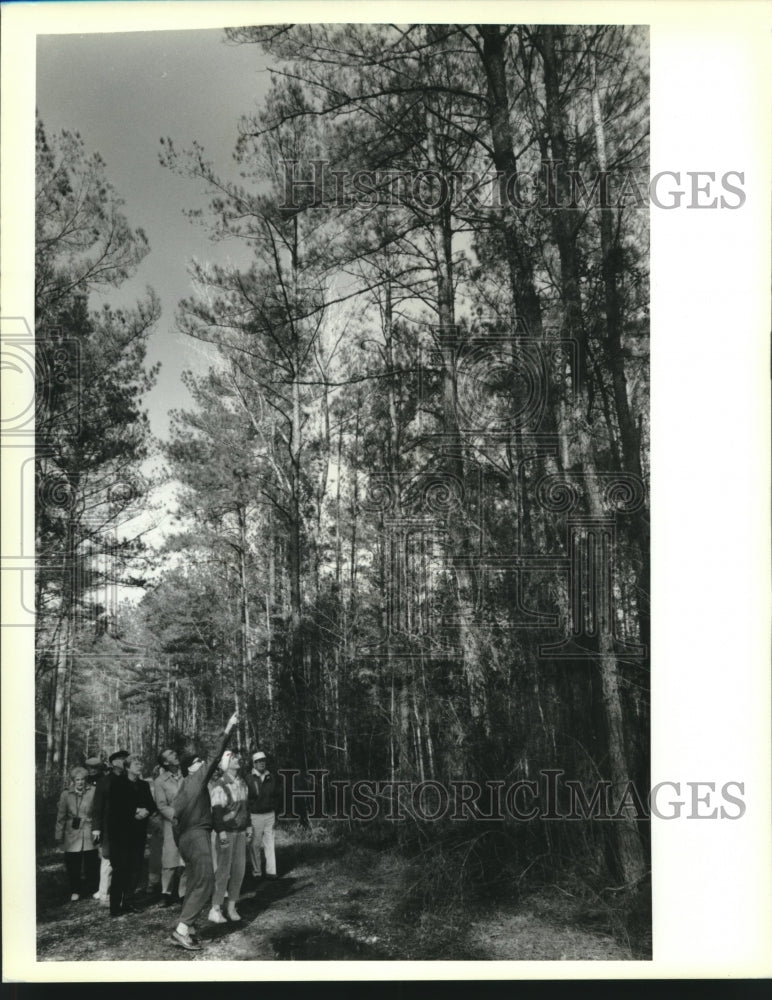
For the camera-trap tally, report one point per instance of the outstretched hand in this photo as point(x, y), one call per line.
point(232, 722)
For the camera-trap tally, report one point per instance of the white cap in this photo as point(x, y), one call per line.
point(259, 756)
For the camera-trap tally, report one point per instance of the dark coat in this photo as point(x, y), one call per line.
point(100, 809)
point(126, 797)
point(263, 795)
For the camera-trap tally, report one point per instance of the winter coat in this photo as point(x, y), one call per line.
point(101, 807)
point(229, 804)
point(166, 787)
point(263, 793)
point(75, 807)
point(192, 806)
point(126, 797)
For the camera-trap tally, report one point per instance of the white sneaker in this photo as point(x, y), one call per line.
point(96, 895)
point(74, 897)
point(216, 916)
point(233, 913)
point(185, 941)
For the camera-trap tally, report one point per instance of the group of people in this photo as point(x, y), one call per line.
point(208, 819)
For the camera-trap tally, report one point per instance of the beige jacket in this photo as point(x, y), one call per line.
point(73, 806)
point(165, 788)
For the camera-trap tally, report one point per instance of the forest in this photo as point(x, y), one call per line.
point(407, 530)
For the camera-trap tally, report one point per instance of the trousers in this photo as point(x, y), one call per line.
point(167, 880)
point(231, 864)
point(156, 849)
point(74, 861)
point(105, 872)
point(126, 858)
point(195, 848)
point(262, 836)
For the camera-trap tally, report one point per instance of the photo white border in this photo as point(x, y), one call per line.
point(710, 270)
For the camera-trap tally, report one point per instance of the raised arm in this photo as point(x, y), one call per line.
point(223, 744)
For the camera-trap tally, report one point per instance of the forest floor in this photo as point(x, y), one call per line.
point(332, 901)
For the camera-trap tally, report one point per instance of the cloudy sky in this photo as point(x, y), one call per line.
point(123, 92)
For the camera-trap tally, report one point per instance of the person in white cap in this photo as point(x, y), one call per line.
point(262, 795)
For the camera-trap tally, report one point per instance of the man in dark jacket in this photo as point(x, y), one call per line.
point(130, 805)
point(262, 797)
point(193, 830)
point(94, 770)
point(99, 830)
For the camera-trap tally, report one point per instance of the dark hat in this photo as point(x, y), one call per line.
point(187, 757)
point(93, 762)
point(118, 755)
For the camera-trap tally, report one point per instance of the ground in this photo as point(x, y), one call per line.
point(333, 902)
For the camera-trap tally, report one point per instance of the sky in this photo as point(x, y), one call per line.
point(123, 92)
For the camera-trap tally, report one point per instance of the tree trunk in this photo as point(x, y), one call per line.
point(610, 264)
point(246, 666)
point(629, 846)
point(521, 276)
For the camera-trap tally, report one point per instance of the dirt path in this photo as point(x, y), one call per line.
point(332, 902)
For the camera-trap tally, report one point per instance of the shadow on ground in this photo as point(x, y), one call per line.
point(340, 902)
point(309, 943)
point(253, 903)
point(305, 852)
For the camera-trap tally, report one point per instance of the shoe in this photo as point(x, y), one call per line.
point(96, 895)
point(233, 913)
point(184, 941)
point(74, 897)
point(104, 900)
point(216, 916)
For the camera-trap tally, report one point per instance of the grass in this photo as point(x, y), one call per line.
point(338, 901)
